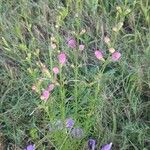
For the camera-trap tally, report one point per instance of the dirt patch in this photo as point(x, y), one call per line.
point(2, 146)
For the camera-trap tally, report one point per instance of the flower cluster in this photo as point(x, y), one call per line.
point(75, 132)
point(92, 145)
point(62, 59)
point(115, 55)
point(71, 42)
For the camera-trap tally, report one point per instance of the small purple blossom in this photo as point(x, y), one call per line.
point(30, 147)
point(107, 147)
point(116, 56)
point(69, 123)
point(71, 43)
point(92, 144)
point(77, 133)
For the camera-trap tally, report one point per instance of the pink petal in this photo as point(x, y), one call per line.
point(72, 43)
point(116, 56)
point(62, 58)
point(45, 95)
point(56, 70)
point(50, 87)
point(99, 54)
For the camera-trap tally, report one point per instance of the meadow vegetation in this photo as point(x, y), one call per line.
point(75, 74)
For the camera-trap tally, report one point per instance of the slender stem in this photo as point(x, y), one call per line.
point(50, 58)
point(62, 95)
point(114, 123)
point(76, 84)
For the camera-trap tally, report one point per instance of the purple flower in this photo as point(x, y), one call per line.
point(72, 43)
point(77, 133)
point(116, 56)
point(30, 147)
point(107, 147)
point(69, 123)
point(91, 144)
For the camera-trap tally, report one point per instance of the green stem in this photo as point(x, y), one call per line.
point(114, 123)
point(76, 84)
point(62, 95)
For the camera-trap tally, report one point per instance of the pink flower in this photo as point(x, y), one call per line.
point(50, 87)
point(56, 70)
point(99, 55)
point(62, 58)
point(72, 43)
point(81, 47)
point(116, 56)
point(45, 95)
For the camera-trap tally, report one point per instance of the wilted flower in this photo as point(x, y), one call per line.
point(53, 45)
point(118, 8)
point(120, 24)
point(30, 147)
point(128, 10)
point(111, 50)
point(53, 39)
point(107, 147)
point(34, 88)
point(115, 29)
point(45, 70)
point(62, 58)
point(91, 144)
point(45, 95)
point(58, 125)
point(50, 87)
point(56, 70)
point(82, 31)
point(77, 133)
point(72, 43)
point(106, 39)
point(81, 47)
point(116, 56)
point(99, 55)
point(69, 123)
